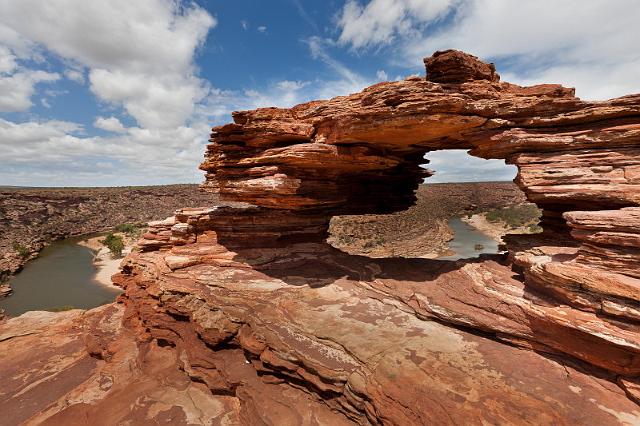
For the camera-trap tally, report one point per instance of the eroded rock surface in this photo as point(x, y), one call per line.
point(252, 314)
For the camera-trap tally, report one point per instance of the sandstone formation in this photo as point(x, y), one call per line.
point(250, 310)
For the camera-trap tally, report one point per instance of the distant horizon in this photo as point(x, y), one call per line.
point(195, 183)
point(133, 104)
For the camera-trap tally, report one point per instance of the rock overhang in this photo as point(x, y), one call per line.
point(337, 156)
point(251, 282)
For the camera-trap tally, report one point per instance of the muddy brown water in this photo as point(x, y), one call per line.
point(468, 242)
point(62, 277)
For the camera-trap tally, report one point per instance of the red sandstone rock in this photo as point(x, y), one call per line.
point(610, 239)
point(5, 290)
point(454, 66)
point(248, 309)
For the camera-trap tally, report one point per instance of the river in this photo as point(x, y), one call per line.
point(468, 242)
point(63, 275)
point(60, 278)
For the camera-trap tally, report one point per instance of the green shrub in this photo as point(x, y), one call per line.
point(534, 228)
point(378, 240)
point(114, 243)
point(22, 250)
point(131, 229)
point(515, 216)
point(345, 239)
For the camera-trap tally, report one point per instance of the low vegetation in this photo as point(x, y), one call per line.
point(114, 243)
point(517, 216)
point(133, 230)
point(377, 240)
point(21, 249)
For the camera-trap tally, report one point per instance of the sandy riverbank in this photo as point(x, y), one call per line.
point(106, 265)
point(494, 230)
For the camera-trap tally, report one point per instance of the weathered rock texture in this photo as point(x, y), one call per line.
point(254, 306)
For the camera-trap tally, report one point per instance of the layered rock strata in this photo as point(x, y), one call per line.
point(362, 154)
point(249, 304)
point(570, 292)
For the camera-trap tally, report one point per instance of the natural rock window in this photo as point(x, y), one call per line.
point(456, 206)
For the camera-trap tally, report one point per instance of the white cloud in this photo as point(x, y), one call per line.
point(588, 45)
point(381, 21)
point(139, 54)
point(139, 57)
point(382, 75)
point(244, 24)
point(32, 132)
point(101, 34)
point(455, 165)
point(111, 124)
point(56, 153)
point(155, 102)
point(7, 60)
point(74, 75)
point(17, 89)
point(262, 29)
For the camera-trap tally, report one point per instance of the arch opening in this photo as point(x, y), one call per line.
point(461, 210)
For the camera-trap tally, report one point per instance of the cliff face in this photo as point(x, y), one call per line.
point(251, 304)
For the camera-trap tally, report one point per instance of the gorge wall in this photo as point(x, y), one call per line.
point(250, 304)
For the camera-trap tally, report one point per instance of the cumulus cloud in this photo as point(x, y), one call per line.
point(111, 124)
point(17, 89)
point(382, 21)
point(588, 45)
point(138, 58)
point(156, 102)
point(455, 165)
point(156, 72)
point(58, 153)
point(14, 134)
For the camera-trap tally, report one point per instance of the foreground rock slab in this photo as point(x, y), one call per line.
point(351, 331)
point(80, 367)
point(278, 353)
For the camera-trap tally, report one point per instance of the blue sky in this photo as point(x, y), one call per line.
point(124, 92)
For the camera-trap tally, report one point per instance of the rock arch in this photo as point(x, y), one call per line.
point(361, 153)
point(248, 282)
point(578, 161)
